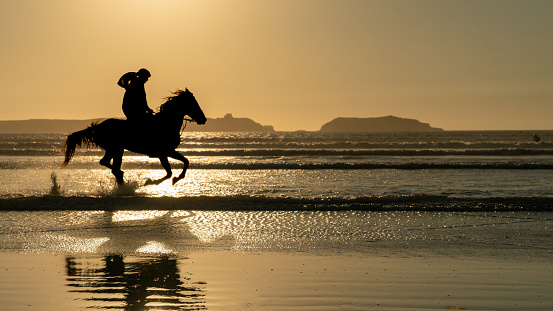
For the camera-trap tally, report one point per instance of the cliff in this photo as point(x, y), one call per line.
point(381, 124)
point(48, 126)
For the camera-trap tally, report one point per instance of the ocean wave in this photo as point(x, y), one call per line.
point(246, 203)
point(367, 152)
point(368, 145)
point(270, 152)
point(292, 165)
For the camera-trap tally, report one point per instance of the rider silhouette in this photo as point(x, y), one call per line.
point(135, 106)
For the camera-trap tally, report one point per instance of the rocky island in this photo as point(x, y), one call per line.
point(380, 124)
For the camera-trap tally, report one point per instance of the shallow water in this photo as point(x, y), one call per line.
point(521, 234)
point(462, 170)
point(282, 221)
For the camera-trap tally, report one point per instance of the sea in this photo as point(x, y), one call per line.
point(325, 210)
point(447, 171)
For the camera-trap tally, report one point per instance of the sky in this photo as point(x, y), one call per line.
point(293, 64)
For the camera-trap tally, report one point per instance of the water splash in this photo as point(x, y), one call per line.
point(125, 189)
point(55, 190)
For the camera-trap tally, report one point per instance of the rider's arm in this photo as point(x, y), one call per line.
point(125, 79)
point(121, 82)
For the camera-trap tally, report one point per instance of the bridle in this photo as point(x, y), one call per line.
point(185, 123)
point(186, 120)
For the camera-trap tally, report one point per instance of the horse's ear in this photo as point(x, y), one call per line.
point(187, 90)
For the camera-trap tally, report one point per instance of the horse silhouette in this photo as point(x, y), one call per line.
point(158, 137)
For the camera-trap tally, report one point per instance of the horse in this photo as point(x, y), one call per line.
point(158, 136)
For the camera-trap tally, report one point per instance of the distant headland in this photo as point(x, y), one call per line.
point(55, 126)
point(43, 126)
point(226, 124)
point(381, 124)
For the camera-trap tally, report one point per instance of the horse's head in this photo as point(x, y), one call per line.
point(184, 103)
point(193, 109)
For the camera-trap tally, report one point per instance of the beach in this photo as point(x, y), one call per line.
point(186, 260)
point(276, 155)
point(284, 281)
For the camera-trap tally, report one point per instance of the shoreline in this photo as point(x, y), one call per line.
point(126, 198)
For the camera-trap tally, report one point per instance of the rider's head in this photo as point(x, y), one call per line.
point(143, 74)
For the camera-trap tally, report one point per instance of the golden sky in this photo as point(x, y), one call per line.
point(293, 64)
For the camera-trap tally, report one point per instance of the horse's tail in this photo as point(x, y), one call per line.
point(77, 139)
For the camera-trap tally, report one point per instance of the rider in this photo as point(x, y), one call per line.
point(135, 106)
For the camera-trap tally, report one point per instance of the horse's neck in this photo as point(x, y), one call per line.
point(170, 122)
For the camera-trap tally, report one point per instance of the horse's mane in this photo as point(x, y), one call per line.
point(169, 100)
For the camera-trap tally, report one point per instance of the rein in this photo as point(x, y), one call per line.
point(186, 121)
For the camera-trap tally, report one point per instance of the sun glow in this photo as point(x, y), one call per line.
point(67, 244)
point(153, 247)
point(208, 226)
point(136, 215)
point(196, 183)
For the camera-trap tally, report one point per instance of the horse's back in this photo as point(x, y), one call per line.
point(110, 133)
point(113, 122)
point(145, 138)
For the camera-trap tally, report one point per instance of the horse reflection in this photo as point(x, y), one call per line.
point(134, 284)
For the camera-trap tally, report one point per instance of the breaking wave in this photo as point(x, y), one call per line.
point(293, 165)
point(275, 152)
point(248, 203)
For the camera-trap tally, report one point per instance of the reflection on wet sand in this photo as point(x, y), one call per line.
point(119, 283)
point(125, 279)
point(129, 232)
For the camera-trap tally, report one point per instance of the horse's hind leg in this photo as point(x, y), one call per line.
point(167, 167)
point(116, 166)
point(106, 160)
point(175, 155)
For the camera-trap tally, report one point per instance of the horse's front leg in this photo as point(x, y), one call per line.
point(177, 156)
point(167, 167)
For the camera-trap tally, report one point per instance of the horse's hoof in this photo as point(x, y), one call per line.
point(149, 182)
point(176, 179)
point(119, 177)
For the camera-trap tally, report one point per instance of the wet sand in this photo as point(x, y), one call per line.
point(223, 280)
point(211, 261)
